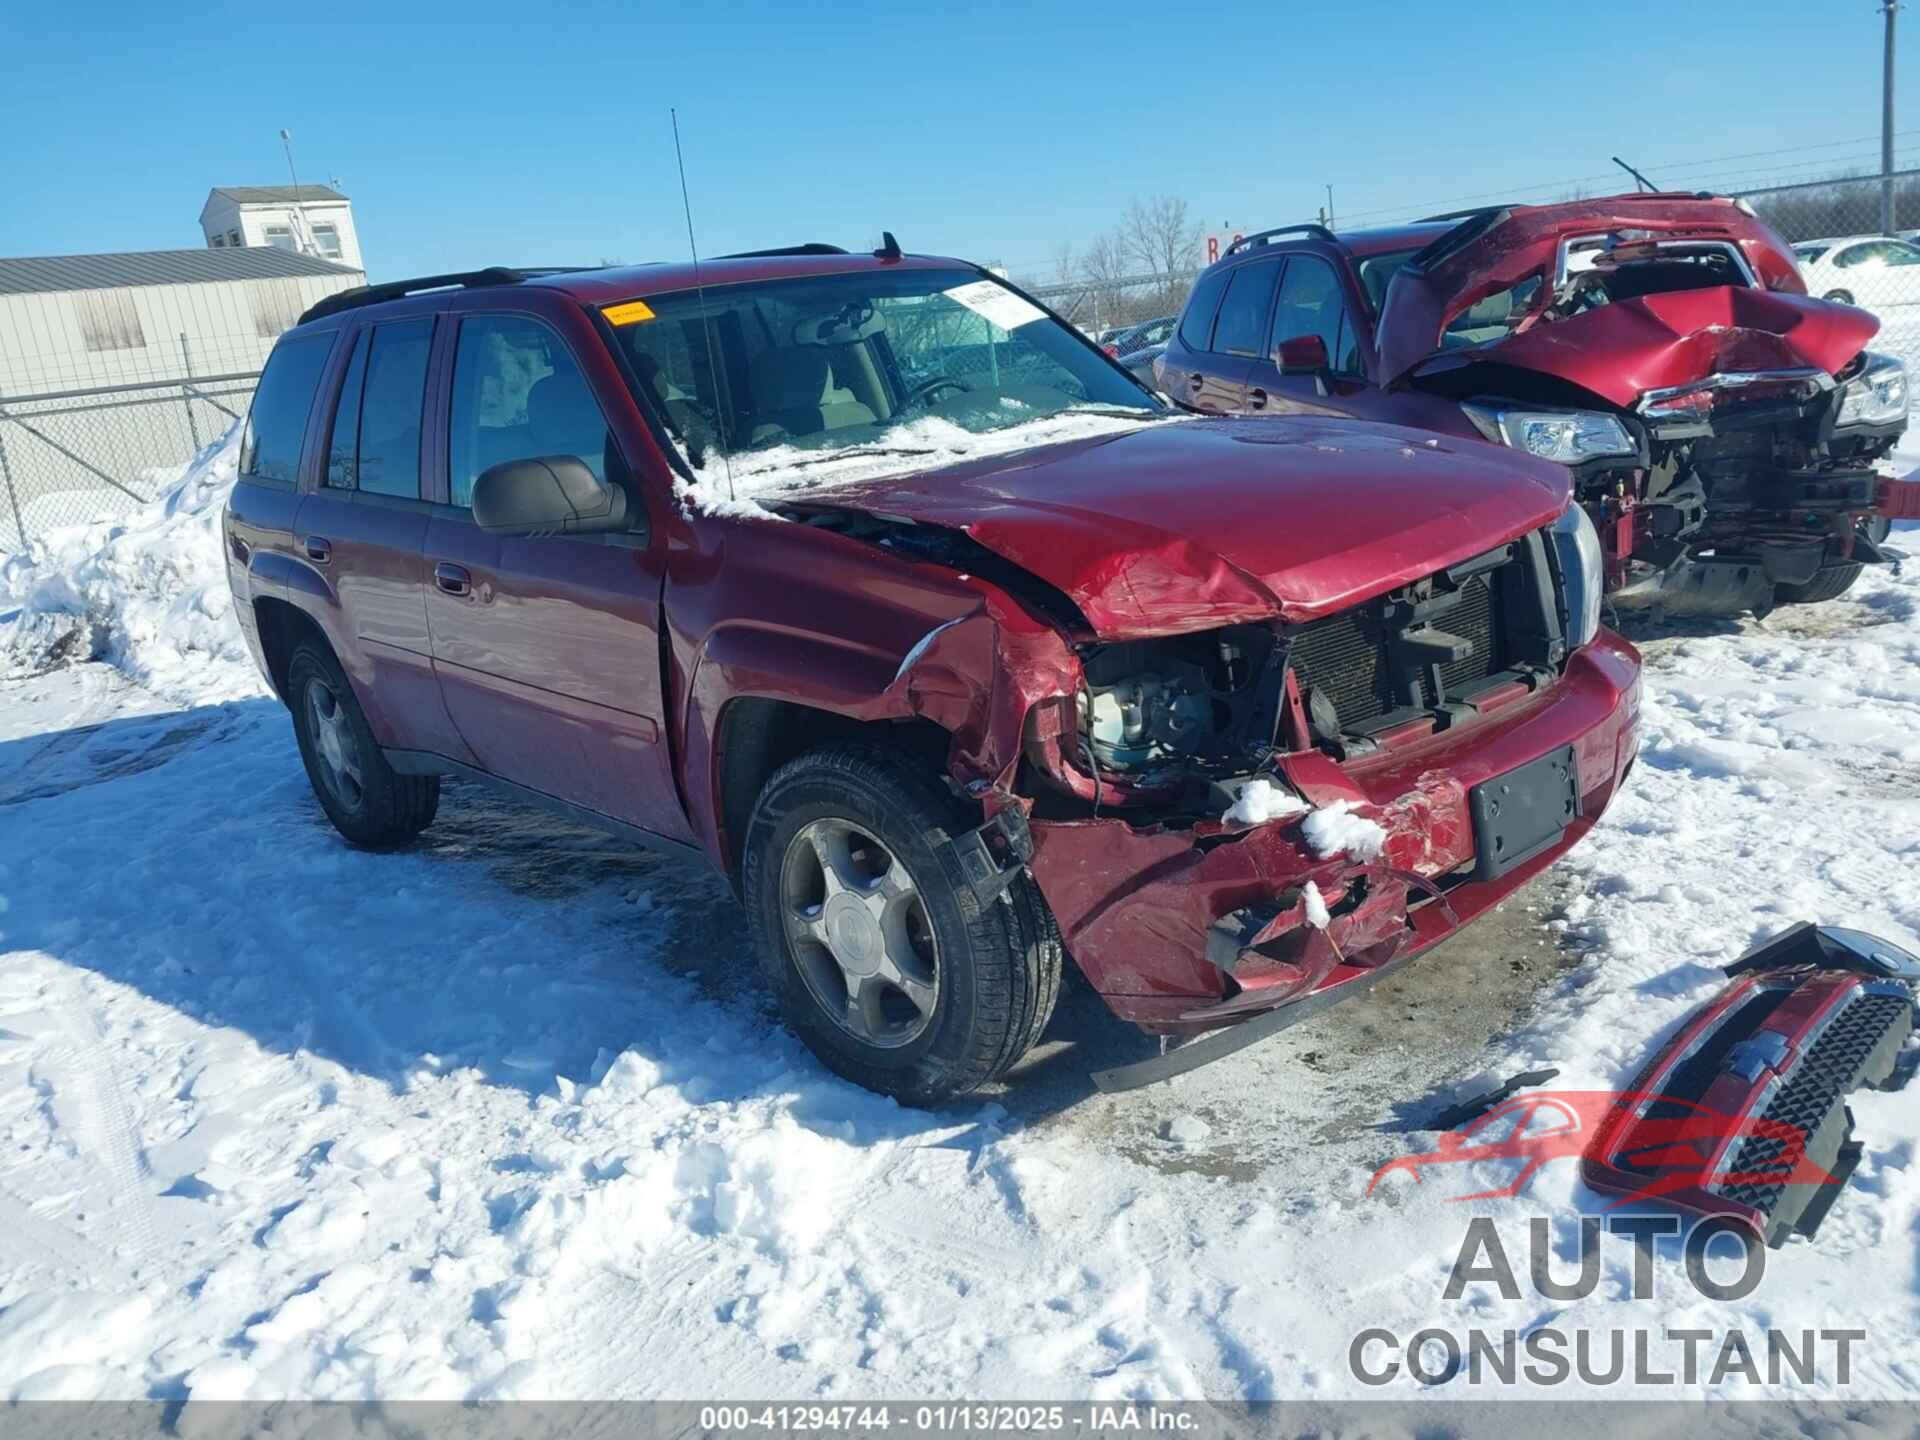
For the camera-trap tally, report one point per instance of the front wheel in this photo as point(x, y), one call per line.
point(895, 977)
point(1839, 297)
point(1830, 582)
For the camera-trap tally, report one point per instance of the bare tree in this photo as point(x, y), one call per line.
point(1160, 235)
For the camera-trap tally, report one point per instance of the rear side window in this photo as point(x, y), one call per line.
point(277, 419)
point(1242, 326)
point(518, 395)
point(1196, 321)
point(390, 408)
point(1310, 304)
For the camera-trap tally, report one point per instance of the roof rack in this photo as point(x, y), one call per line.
point(1466, 214)
point(397, 289)
point(812, 247)
point(1247, 242)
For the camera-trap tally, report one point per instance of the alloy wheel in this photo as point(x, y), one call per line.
point(858, 929)
point(335, 745)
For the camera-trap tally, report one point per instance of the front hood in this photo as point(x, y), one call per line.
point(1621, 351)
point(1194, 524)
point(1497, 249)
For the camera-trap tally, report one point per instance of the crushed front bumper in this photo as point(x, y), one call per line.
point(1183, 930)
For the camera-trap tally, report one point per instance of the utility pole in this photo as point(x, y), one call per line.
point(1887, 8)
point(1331, 225)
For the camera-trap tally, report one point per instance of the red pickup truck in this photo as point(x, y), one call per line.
point(870, 582)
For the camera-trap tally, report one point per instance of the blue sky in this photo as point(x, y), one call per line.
point(475, 134)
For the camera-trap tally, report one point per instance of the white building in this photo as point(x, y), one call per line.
point(309, 220)
point(113, 367)
point(69, 322)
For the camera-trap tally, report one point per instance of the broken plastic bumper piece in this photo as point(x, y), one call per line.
point(1743, 1112)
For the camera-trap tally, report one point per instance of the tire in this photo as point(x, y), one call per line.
point(371, 804)
point(1839, 297)
point(1830, 582)
point(994, 968)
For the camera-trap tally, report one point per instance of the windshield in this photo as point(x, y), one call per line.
point(1807, 254)
point(839, 361)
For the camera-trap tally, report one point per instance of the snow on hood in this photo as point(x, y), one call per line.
point(146, 590)
point(740, 487)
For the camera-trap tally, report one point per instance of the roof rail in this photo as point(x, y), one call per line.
point(1466, 214)
point(812, 247)
point(396, 289)
point(1247, 242)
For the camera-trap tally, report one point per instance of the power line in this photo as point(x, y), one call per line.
point(1668, 165)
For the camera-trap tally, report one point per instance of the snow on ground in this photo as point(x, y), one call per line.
point(502, 1115)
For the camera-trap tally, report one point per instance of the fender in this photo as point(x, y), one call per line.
point(975, 675)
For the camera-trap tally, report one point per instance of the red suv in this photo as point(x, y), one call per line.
point(1721, 426)
point(881, 589)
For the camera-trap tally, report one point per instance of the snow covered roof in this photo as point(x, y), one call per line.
point(277, 194)
point(34, 274)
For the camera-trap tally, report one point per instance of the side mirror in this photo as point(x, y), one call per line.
point(553, 495)
point(1303, 355)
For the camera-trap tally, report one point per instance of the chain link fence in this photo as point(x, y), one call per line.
point(1835, 228)
point(1104, 305)
point(73, 455)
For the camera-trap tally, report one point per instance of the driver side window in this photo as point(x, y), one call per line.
point(518, 395)
point(1311, 303)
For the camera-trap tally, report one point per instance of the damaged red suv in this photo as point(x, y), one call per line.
point(1720, 425)
point(878, 587)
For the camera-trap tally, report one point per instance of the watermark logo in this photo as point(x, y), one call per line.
point(1652, 1145)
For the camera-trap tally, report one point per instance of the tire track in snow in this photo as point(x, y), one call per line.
point(83, 1070)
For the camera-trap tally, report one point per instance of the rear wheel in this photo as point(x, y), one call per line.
point(895, 977)
point(369, 803)
point(1830, 582)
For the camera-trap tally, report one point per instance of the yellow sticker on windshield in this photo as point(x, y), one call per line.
point(630, 312)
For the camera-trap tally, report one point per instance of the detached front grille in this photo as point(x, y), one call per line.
point(1349, 657)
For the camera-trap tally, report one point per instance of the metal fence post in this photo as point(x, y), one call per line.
point(186, 391)
point(6, 475)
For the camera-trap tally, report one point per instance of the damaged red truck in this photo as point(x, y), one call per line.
point(874, 584)
point(1721, 426)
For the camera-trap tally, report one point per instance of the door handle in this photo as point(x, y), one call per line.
point(1196, 380)
point(1256, 399)
point(453, 579)
point(318, 548)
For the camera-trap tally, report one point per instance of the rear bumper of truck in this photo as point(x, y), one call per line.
point(1187, 930)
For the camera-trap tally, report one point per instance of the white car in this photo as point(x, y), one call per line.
point(1871, 271)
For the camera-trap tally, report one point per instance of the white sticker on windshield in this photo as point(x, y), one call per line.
point(996, 304)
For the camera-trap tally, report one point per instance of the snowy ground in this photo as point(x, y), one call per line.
point(503, 1116)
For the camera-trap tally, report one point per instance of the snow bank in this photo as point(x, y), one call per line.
point(737, 487)
point(145, 591)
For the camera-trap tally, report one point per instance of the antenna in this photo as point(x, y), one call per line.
point(1640, 181)
point(299, 213)
point(706, 315)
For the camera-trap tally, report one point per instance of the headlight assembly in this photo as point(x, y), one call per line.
point(1568, 436)
point(1576, 554)
point(1877, 395)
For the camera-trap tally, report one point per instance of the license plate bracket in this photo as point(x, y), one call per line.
point(1523, 812)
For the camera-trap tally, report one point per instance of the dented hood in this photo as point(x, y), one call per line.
point(1621, 350)
point(1194, 524)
